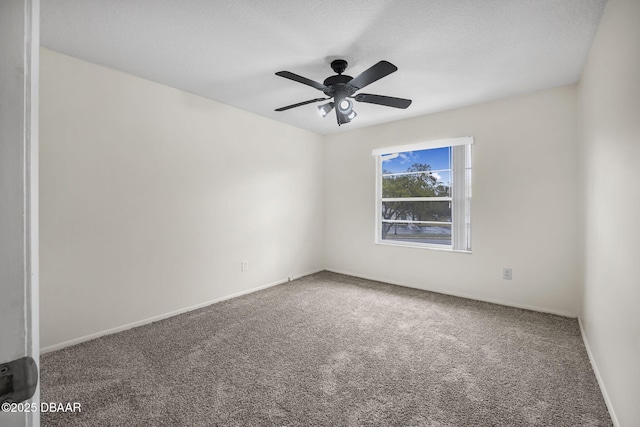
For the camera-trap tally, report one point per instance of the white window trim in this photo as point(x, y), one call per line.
point(463, 140)
point(459, 172)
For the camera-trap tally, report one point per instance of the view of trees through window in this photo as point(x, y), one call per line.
point(416, 196)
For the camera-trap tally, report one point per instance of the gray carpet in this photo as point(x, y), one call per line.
point(332, 350)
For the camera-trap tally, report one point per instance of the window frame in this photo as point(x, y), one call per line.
point(460, 195)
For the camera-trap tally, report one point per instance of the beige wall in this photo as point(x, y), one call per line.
point(609, 94)
point(151, 197)
point(525, 212)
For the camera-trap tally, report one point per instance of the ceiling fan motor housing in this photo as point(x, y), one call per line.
point(337, 85)
point(338, 88)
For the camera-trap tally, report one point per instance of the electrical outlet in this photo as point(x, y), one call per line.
point(244, 265)
point(506, 274)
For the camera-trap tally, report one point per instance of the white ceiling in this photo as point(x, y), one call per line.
point(449, 53)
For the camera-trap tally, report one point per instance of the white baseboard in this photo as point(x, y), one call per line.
point(594, 366)
point(146, 321)
point(461, 295)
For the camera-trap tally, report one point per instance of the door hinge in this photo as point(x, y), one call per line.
point(18, 380)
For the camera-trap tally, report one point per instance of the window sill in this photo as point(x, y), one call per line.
point(421, 246)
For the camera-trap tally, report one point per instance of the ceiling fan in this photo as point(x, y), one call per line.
point(342, 89)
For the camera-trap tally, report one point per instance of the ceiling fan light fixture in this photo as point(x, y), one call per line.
point(325, 109)
point(345, 118)
point(345, 106)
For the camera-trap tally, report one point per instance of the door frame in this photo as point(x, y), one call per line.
point(19, 234)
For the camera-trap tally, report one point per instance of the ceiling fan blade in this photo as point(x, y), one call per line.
point(296, 78)
point(370, 75)
point(301, 103)
point(389, 101)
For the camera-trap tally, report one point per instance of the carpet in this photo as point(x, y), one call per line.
point(332, 350)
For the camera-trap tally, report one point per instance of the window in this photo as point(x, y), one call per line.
point(424, 195)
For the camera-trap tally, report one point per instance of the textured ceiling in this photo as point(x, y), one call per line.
point(449, 53)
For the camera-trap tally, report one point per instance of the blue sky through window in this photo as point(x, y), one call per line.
point(437, 158)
